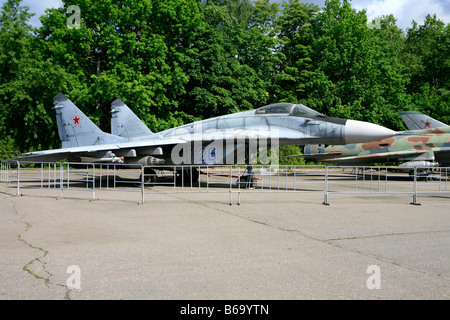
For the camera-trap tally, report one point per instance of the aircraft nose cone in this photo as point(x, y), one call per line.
point(360, 131)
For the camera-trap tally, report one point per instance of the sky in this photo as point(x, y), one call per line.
point(405, 11)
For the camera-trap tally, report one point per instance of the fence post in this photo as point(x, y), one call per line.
point(18, 178)
point(3, 171)
point(93, 182)
point(61, 180)
point(325, 199)
point(42, 175)
point(415, 189)
point(142, 184)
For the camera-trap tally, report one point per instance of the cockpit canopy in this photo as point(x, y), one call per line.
point(298, 110)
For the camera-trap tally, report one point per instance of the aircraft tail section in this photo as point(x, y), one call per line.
point(75, 128)
point(417, 121)
point(124, 123)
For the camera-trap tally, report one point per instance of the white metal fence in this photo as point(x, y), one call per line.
point(234, 180)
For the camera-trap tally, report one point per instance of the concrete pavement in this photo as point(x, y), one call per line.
point(197, 246)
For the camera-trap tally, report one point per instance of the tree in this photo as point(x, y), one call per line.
point(296, 69)
point(134, 50)
point(339, 66)
point(222, 78)
point(27, 83)
point(430, 44)
point(177, 61)
point(427, 61)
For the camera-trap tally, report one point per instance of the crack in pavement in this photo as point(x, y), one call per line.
point(387, 234)
point(332, 242)
point(27, 267)
point(38, 259)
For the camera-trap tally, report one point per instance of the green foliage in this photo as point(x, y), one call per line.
point(427, 65)
point(285, 151)
point(339, 66)
point(178, 61)
point(27, 84)
point(138, 51)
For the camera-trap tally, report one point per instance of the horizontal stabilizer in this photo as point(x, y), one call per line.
point(63, 153)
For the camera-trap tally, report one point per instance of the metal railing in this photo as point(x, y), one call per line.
point(5, 170)
point(231, 179)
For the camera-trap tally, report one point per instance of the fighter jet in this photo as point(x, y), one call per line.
point(211, 141)
point(415, 148)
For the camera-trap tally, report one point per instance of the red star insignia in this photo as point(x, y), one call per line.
point(427, 124)
point(76, 120)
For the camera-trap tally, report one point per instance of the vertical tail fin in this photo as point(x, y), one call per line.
point(125, 123)
point(74, 127)
point(417, 121)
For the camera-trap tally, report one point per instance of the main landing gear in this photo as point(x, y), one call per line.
point(183, 176)
point(247, 180)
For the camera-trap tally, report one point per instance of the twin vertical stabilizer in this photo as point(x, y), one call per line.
point(124, 123)
point(75, 128)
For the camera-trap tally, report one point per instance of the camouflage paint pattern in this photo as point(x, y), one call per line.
point(429, 145)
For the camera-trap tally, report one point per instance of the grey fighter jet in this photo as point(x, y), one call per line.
point(220, 140)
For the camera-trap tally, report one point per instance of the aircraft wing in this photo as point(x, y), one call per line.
point(63, 153)
point(373, 157)
point(316, 156)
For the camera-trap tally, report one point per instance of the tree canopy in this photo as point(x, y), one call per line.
point(177, 61)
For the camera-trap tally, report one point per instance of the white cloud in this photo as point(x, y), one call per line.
point(405, 11)
point(38, 7)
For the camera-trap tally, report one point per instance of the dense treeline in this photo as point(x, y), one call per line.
point(176, 61)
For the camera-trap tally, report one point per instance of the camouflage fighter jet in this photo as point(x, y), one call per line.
point(415, 148)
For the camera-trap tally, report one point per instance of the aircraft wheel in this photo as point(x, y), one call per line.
point(421, 175)
point(246, 182)
point(188, 175)
point(150, 176)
